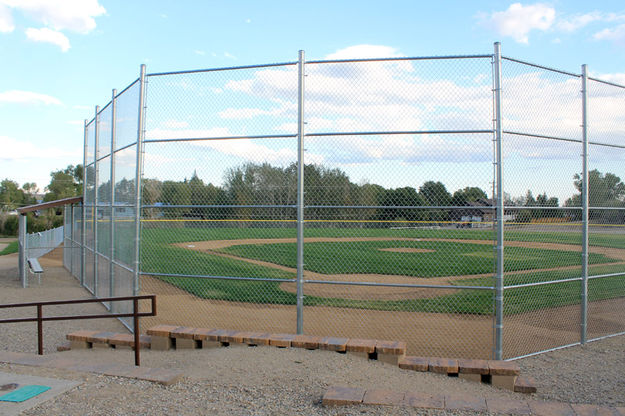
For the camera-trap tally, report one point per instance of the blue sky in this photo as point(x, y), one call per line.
point(61, 58)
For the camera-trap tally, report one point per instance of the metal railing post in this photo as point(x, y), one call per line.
point(300, 194)
point(112, 199)
point(96, 199)
point(584, 294)
point(138, 173)
point(83, 224)
point(22, 244)
point(499, 273)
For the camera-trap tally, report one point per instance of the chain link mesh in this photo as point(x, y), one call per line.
point(399, 202)
point(606, 196)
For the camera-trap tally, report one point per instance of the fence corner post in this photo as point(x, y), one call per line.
point(584, 294)
point(300, 194)
point(138, 174)
point(499, 262)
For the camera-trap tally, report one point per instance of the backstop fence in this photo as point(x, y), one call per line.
point(468, 205)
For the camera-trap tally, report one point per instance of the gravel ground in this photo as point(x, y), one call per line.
point(267, 380)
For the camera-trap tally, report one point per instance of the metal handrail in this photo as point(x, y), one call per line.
point(40, 318)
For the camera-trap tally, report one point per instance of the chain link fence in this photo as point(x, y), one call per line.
point(469, 205)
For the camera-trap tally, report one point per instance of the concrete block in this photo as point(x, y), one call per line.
point(465, 401)
point(185, 344)
point(380, 397)
point(79, 345)
point(473, 366)
point(361, 345)
point(551, 409)
point(443, 365)
point(508, 406)
point(392, 359)
point(364, 355)
point(209, 344)
point(503, 368)
point(333, 344)
point(424, 400)
point(471, 377)
point(257, 338)
point(525, 384)
point(390, 347)
point(310, 342)
point(281, 340)
point(341, 396)
point(415, 363)
point(503, 382)
point(161, 330)
point(160, 343)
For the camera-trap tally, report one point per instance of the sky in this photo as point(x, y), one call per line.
point(60, 58)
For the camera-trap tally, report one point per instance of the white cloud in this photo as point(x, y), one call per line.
point(246, 149)
point(27, 97)
point(615, 78)
point(616, 34)
point(14, 150)
point(175, 124)
point(229, 55)
point(6, 20)
point(74, 15)
point(519, 20)
point(46, 35)
point(247, 113)
point(248, 21)
point(578, 21)
point(198, 52)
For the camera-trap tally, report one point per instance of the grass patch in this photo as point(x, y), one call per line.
point(11, 248)
point(447, 258)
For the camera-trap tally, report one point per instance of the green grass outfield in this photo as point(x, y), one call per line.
point(448, 258)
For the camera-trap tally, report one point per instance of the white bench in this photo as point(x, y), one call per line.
point(35, 268)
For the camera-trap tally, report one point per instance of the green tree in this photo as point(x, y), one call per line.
point(469, 194)
point(65, 183)
point(604, 190)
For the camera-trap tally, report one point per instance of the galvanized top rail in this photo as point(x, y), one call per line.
point(606, 82)
point(227, 68)
point(403, 58)
point(541, 66)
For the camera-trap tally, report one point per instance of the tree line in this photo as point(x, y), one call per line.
point(263, 191)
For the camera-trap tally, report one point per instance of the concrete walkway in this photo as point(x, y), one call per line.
point(155, 375)
point(344, 396)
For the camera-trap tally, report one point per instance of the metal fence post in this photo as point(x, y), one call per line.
point(22, 244)
point(499, 274)
point(584, 313)
point(96, 199)
point(300, 194)
point(83, 224)
point(112, 199)
point(138, 173)
point(71, 239)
